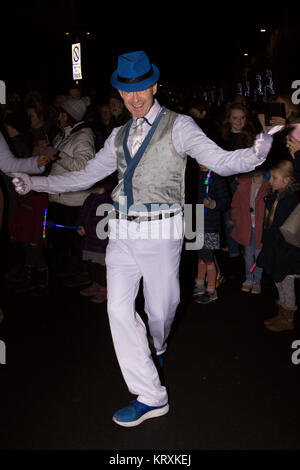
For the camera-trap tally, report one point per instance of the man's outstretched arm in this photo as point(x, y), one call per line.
point(102, 165)
point(193, 142)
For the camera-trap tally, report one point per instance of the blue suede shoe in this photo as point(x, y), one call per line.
point(136, 412)
point(160, 359)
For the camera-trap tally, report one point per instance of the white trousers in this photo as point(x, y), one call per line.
point(148, 250)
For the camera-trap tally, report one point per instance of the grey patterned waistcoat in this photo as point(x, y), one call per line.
point(160, 174)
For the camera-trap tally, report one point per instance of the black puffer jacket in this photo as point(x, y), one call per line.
point(218, 191)
point(277, 257)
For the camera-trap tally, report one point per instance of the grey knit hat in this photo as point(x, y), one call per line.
point(75, 107)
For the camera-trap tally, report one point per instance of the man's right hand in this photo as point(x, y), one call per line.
point(22, 183)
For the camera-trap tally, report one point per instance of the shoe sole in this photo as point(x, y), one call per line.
point(150, 414)
point(208, 302)
point(246, 289)
point(278, 330)
point(269, 321)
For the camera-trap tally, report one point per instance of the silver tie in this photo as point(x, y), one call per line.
point(137, 137)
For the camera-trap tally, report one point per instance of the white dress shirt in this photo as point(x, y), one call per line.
point(187, 138)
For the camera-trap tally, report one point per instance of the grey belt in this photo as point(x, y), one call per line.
point(141, 218)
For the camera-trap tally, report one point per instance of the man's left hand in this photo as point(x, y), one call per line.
point(262, 145)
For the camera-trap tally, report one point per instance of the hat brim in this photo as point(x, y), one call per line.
point(139, 86)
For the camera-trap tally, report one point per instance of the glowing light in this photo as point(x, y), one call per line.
point(67, 34)
point(207, 183)
point(44, 223)
point(263, 30)
point(245, 54)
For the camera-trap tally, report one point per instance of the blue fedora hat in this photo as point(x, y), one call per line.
point(134, 72)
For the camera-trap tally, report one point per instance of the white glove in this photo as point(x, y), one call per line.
point(262, 145)
point(263, 142)
point(22, 183)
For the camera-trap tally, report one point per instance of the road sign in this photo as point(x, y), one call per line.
point(76, 61)
point(2, 92)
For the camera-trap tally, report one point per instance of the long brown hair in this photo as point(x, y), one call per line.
point(247, 134)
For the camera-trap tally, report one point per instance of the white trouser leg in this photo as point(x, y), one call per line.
point(159, 261)
point(160, 268)
point(128, 330)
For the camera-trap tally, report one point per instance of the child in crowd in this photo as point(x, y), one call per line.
point(279, 258)
point(93, 247)
point(214, 194)
point(248, 208)
point(237, 131)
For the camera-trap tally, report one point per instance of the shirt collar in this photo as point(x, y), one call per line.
point(153, 112)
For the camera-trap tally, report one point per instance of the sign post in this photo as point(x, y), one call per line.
point(76, 61)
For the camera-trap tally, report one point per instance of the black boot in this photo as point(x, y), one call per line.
point(28, 284)
point(41, 279)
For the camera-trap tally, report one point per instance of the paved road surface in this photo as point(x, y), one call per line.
point(232, 383)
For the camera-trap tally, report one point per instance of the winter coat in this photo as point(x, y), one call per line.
point(89, 220)
point(26, 223)
point(75, 149)
point(278, 257)
point(218, 191)
point(241, 215)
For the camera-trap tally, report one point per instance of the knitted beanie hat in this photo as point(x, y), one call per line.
point(75, 107)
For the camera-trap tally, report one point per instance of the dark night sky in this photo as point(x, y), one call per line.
point(193, 44)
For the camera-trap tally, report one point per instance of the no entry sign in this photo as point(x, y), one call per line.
point(76, 61)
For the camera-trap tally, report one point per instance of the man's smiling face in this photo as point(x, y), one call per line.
point(139, 103)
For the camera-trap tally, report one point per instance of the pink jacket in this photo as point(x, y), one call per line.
point(240, 209)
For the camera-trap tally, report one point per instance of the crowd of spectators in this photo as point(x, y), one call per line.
point(72, 127)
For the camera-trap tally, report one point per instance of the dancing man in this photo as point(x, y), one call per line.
point(149, 152)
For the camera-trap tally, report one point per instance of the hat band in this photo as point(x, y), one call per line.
point(137, 79)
